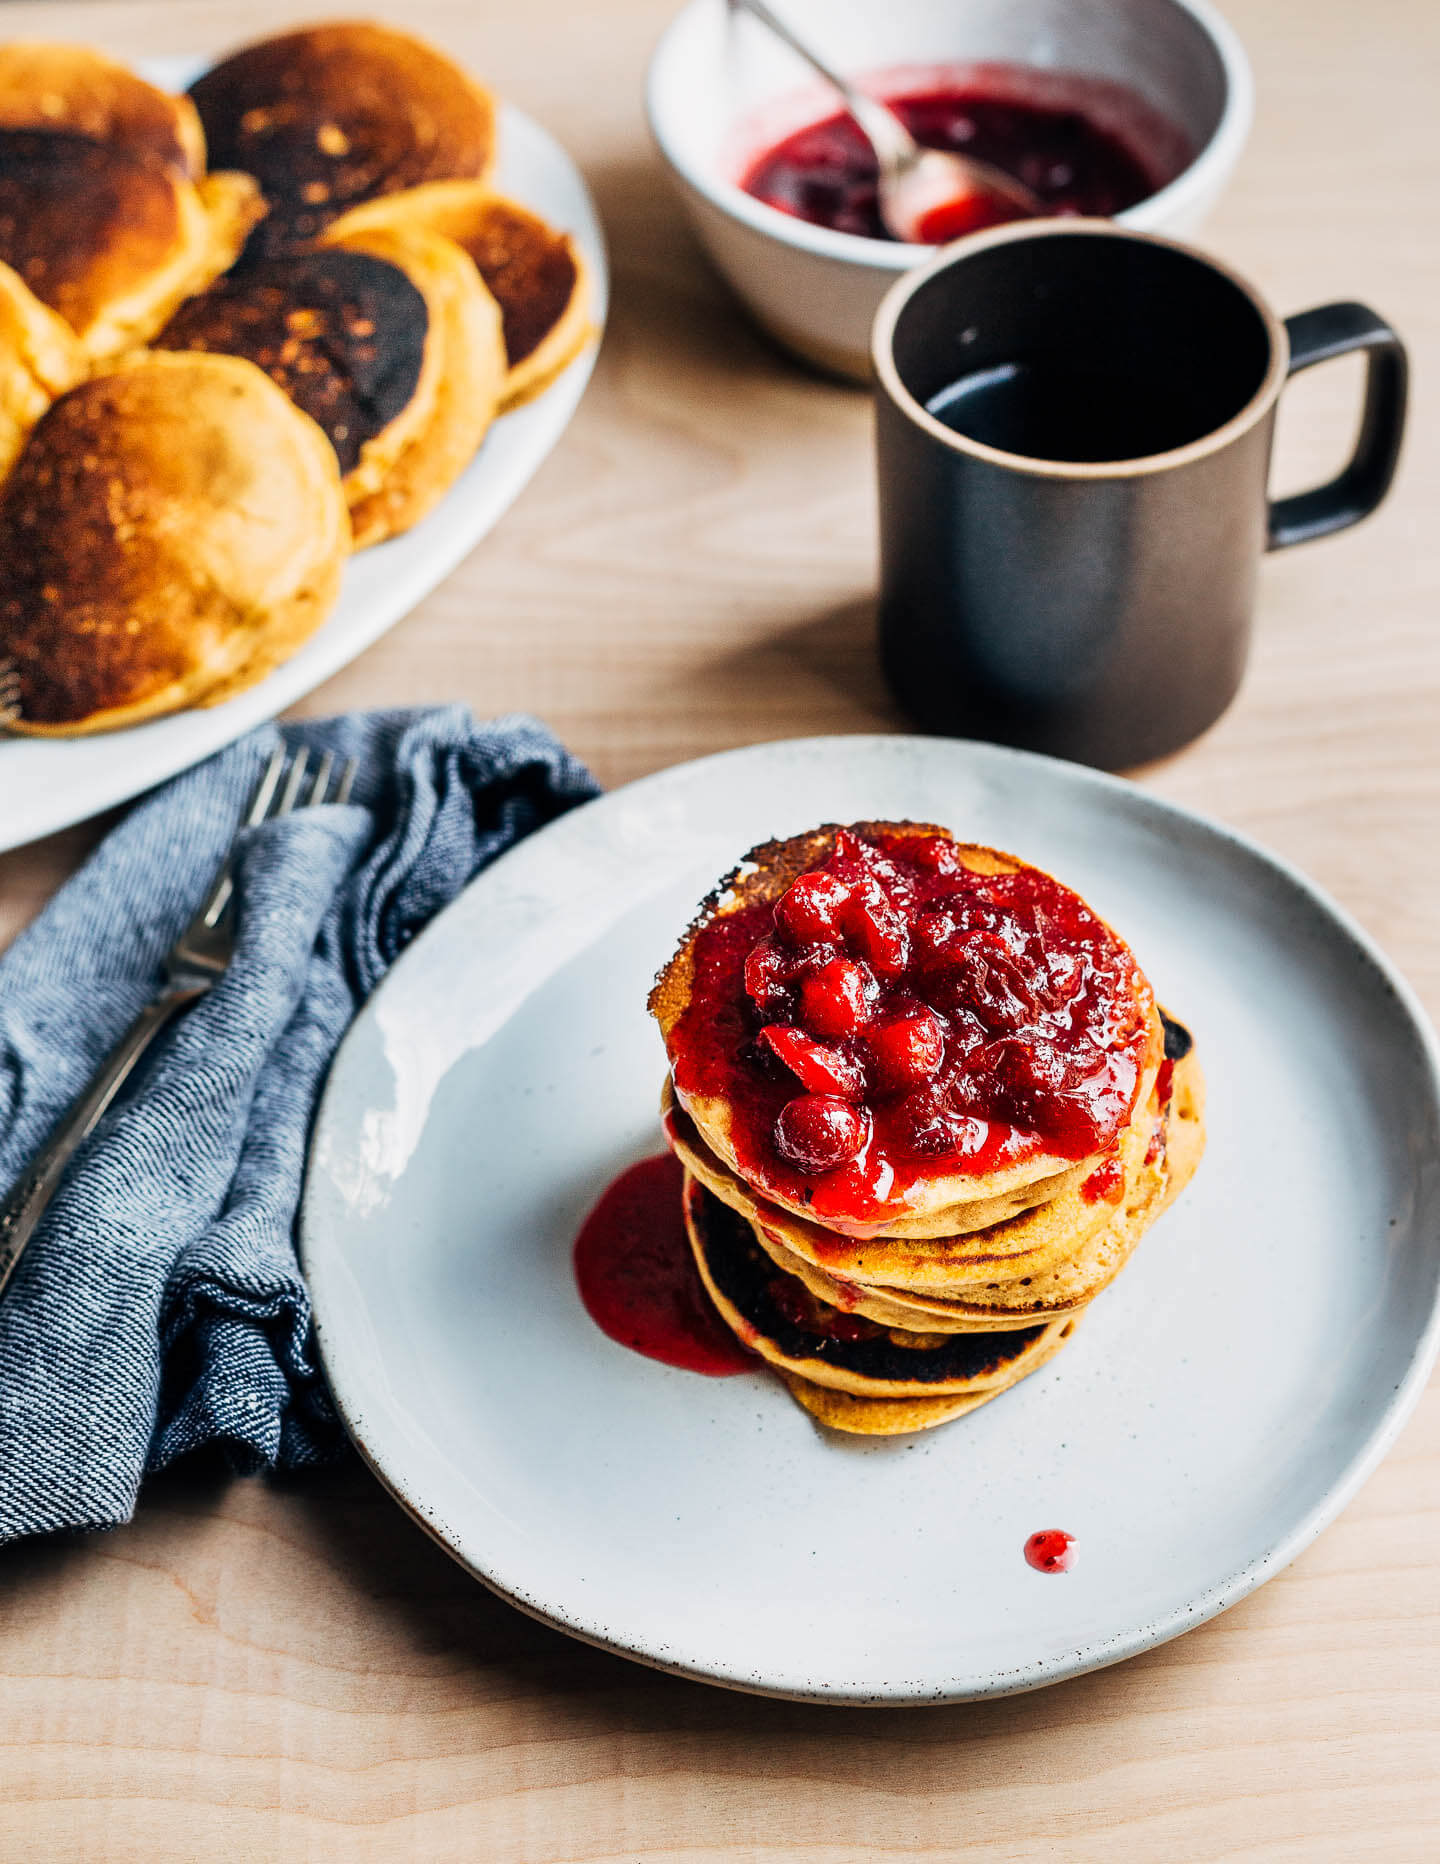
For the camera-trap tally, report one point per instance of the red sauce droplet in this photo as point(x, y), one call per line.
point(826, 172)
point(637, 1276)
point(1104, 1183)
point(1050, 1551)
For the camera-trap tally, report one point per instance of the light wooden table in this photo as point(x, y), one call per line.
point(256, 1672)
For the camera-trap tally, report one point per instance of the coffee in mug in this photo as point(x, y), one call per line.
point(1074, 425)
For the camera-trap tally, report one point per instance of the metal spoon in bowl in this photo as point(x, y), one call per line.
point(916, 184)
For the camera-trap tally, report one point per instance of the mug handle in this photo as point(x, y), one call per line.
point(1315, 336)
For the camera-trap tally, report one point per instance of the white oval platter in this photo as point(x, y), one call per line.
point(46, 784)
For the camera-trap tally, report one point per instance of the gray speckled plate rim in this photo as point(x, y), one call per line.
point(1100, 1654)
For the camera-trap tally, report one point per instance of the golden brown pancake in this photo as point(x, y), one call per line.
point(336, 114)
point(536, 275)
point(172, 531)
point(935, 1205)
point(343, 333)
point(1024, 1245)
point(460, 382)
point(1073, 1282)
point(775, 1315)
point(110, 241)
point(74, 87)
point(40, 358)
point(878, 1417)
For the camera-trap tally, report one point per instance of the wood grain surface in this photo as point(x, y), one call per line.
point(258, 1671)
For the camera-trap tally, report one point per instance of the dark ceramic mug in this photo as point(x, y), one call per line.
point(1074, 426)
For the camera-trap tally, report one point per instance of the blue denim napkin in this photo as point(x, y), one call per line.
point(159, 1308)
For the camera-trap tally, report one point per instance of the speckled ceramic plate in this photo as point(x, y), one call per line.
point(47, 783)
point(1216, 1410)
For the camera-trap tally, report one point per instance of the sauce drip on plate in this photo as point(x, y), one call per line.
point(1050, 1551)
point(638, 1279)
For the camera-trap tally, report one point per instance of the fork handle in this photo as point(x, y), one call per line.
point(31, 1194)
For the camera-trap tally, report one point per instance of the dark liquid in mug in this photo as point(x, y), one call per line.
point(1058, 411)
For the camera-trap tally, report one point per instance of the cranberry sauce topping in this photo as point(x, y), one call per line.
point(896, 1017)
point(826, 172)
point(1105, 1183)
point(637, 1275)
point(1052, 1550)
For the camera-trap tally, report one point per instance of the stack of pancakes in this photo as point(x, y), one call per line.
point(242, 333)
point(916, 1278)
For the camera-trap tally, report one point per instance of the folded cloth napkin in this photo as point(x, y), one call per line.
point(160, 1307)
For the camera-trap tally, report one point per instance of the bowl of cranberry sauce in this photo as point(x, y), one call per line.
point(1079, 147)
point(1135, 110)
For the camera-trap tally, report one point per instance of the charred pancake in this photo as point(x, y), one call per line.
point(461, 375)
point(74, 87)
point(333, 115)
point(930, 1198)
point(172, 531)
point(40, 357)
point(343, 333)
point(536, 275)
point(110, 241)
point(776, 1316)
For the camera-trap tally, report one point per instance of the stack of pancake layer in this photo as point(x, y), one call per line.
point(927, 1107)
point(242, 333)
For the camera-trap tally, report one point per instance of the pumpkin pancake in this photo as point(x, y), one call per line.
point(109, 240)
point(536, 275)
point(40, 357)
point(860, 1416)
point(335, 114)
point(959, 1220)
point(460, 381)
point(172, 531)
point(1067, 1288)
point(74, 87)
point(1013, 1249)
point(343, 333)
point(878, 1417)
point(776, 1316)
point(1038, 1022)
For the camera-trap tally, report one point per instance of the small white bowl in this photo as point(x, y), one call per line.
point(721, 89)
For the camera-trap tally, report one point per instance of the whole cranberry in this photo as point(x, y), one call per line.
point(934, 853)
point(927, 1126)
point(808, 912)
point(923, 1122)
point(766, 974)
point(877, 929)
point(906, 1050)
point(835, 1001)
point(933, 935)
point(815, 1065)
point(818, 1132)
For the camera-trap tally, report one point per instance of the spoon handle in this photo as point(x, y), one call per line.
point(895, 147)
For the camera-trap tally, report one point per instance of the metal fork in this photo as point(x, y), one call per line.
point(200, 955)
point(9, 692)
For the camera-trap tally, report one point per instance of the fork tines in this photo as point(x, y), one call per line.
point(9, 693)
point(279, 793)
